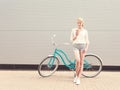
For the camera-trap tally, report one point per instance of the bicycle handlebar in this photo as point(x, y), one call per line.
point(55, 44)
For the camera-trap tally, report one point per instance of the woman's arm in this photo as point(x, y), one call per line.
point(73, 36)
point(87, 41)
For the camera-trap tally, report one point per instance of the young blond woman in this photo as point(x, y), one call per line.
point(79, 38)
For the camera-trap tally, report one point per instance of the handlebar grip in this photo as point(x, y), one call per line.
point(66, 43)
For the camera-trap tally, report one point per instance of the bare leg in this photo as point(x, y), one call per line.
point(77, 57)
point(77, 68)
point(82, 54)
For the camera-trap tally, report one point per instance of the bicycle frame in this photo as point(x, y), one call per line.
point(71, 65)
point(59, 52)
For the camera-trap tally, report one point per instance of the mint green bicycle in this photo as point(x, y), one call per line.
point(91, 68)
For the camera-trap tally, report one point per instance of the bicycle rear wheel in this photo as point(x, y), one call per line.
point(92, 66)
point(48, 66)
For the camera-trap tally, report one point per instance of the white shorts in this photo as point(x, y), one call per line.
point(79, 46)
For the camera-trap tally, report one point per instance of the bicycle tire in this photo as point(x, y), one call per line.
point(45, 69)
point(94, 69)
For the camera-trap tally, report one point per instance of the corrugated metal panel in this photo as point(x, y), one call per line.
point(26, 27)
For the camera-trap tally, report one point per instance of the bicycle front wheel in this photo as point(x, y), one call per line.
point(48, 66)
point(92, 66)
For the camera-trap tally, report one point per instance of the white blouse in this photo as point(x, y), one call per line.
point(81, 38)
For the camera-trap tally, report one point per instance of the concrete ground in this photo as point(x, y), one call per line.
point(61, 80)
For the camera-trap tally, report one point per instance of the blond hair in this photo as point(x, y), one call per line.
point(81, 20)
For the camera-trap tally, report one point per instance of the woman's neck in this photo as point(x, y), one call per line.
point(80, 27)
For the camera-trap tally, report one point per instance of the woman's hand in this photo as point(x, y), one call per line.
point(76, 34)
point(84, 51)
point(74, 38)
